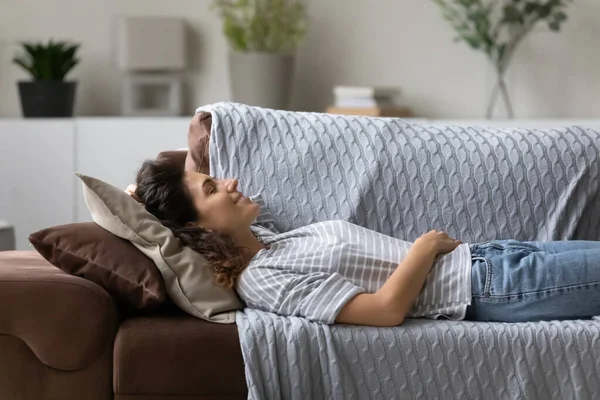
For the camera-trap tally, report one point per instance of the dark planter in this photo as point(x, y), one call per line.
point(47, 98)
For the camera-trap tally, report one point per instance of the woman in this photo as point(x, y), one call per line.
point(338, 272)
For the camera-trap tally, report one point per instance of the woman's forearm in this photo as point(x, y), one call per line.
point(401, 289)
point(392, 302)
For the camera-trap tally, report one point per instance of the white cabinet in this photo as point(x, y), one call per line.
point(36, 171)
point(38, 158)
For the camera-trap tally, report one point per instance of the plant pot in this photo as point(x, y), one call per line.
point(47, 98)
point(261, 79)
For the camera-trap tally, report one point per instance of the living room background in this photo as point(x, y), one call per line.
point(350, 42)
point(100, 300)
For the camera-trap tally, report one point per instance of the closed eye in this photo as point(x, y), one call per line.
point(209, 186)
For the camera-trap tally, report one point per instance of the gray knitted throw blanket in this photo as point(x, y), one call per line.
point(403, 179)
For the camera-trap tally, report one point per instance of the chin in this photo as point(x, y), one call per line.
point(256, 206)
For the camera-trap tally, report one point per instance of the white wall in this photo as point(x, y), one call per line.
point(399, 42)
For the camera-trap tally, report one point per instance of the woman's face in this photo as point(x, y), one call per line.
point(220, 205)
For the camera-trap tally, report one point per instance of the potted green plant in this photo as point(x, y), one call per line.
point(498, 27)
point(47, 95)
point(263, 36)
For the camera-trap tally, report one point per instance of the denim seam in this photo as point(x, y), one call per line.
point(508, 296)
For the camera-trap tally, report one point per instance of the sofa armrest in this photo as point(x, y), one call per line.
point(66, 321)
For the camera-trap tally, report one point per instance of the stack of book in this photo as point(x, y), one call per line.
point(367, 100)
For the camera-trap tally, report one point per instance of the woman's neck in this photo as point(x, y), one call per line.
point(247, 240)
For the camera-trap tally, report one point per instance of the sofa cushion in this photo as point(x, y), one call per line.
point(189, 280)
point(66, 321)
point(198, 140)
point(91, 252)
point(178, 355)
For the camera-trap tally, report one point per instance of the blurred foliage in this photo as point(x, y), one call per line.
point(272, 26)
point(51, 61)
point(497, 27)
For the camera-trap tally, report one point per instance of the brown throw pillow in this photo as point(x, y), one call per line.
point(91, 252)
point(198, 139)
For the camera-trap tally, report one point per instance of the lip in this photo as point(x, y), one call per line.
point(240, 198)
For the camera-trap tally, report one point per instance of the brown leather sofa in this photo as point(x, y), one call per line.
point(63, 337)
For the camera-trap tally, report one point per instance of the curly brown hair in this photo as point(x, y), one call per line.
point(161, 188)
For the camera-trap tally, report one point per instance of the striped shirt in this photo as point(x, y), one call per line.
point(315, 270)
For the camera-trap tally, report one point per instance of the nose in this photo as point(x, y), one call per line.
point(232, 185)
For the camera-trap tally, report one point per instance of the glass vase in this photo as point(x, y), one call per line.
point(500, 97)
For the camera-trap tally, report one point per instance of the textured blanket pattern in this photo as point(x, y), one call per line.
point(422, 359)
point(403, 179)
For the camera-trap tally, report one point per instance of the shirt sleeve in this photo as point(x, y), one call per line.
point(265, 218)
point(317, 296)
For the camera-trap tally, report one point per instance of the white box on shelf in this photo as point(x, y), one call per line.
point(151, 44)
point(152, 94)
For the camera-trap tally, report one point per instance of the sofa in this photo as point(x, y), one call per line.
point(64, 337)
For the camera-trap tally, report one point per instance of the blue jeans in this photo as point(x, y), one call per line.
point(516, 281)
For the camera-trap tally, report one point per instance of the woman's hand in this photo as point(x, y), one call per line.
point(131, 189)
point(131, 192)
point(438, 241)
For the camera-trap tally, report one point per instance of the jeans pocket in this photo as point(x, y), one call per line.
point(521, 245)
point(507, 244)
point(481, 277)
point(496, 244)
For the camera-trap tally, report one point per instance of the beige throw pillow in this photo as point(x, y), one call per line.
point(188, 279)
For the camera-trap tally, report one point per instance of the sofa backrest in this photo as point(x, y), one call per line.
point(198, 141)
point(177, 156)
